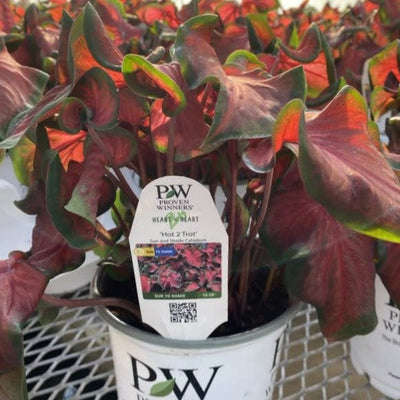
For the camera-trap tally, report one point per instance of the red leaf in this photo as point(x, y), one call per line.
point(50, 251)
point(247, 103)
point(259, 155)
point(81, 56)
point(189, 127)
point(381, 101)
point(234, 37)
point(96, 90)
point(343, 170)
point(152, 12)
point(383, 63)
point(330, 266)
point(21, 289)
point(41, 111)
point(103, 48)
point(261, 29)
point(228, 12)
point(259, 5)
point(77, 231)
point(316, 73)
point(114, 18)
point(117, 144)
point(309, 48)
point(24, 93)
point(69, 147)
point(157, 81)
point(133, 109)
point(6, 17)
point(86, 194)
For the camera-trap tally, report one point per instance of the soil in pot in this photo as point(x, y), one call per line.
point(120, 282)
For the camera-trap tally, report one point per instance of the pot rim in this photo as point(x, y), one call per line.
point(211, 342)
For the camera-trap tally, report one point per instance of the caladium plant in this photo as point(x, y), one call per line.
point(222, 92)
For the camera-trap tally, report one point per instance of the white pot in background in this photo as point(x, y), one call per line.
point(378, 353)
point(236, 367)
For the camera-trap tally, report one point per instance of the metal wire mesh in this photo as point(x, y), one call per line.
point(70, 359)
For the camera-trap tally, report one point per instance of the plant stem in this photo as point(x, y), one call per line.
point(142, 164)
point(245, 264)
point(159, 164)
point(268, 285)
point(121, 220)
point(102, 236)
point(232, 201)
point(103, 301)
point(171, 146)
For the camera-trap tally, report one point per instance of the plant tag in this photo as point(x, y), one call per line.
point(180, 258)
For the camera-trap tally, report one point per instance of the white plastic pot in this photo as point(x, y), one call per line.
point(236, 367)
point(378, 353)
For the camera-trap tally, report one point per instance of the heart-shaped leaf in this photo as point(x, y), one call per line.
point(85, 197)
point(80, 56)
point(343, 170)
point(259, 156)
point(95, 103)
point(260, 33)
point(69, 147)
point(120, 146)
point(381, 101)
point(90, 189)
point(384, 62)
point(114, 17)
point(309, 47)
point(247, 103)
point(234, 37)
point(22, 287)
point(315, 55)
point(103, 49)
point(25, 92)
point(73, 114)
point(64, 70)
point(24, 121)
point(189, 127)
point(150, 80)
point(288, 124)
point(50, 251)
point(325, 257)
point(133, 109)
point(79, 232)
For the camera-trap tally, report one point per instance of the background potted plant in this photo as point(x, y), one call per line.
point(218, 92)
point(373, 353)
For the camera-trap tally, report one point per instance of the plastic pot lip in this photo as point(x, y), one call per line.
point(213, 342)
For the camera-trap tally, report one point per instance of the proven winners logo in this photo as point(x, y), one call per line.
point(174, 200)
point(160, 382)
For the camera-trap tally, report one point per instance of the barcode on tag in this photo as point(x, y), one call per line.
point(183, 312)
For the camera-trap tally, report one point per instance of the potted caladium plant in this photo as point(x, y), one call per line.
point(373, 353)
point(223, 94)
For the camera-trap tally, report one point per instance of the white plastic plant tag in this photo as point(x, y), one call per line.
point(180, 258)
